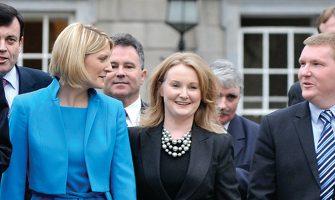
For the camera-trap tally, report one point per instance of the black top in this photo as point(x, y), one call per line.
point(173, 172)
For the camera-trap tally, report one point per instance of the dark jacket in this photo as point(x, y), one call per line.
point(5, 145)
point(210, 174)
point(284, 165)
point(244, 133)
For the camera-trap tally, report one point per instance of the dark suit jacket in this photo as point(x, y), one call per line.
point(284, 164)
point(244, 133)
point(210, 174)
point(5, 145)
point(295, 94)
point(32, 79)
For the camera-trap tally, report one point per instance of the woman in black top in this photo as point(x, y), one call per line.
point(179, 151)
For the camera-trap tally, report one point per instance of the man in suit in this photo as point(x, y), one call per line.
point(5, 145)
point(19, 80)
point(244, 131)
point(325, 23)
point(286, 163)
point(126, 76)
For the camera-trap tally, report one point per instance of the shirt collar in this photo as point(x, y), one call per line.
point(134, 110)
point(12, 78)
point(316, 111)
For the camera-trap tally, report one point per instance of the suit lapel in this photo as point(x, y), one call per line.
point(200, 159)
point(93, 105)
point(26, 82)
point(235, 129)
point(53, 121)
point(304, 130)
point(151, 149)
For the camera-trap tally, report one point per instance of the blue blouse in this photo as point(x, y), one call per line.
point(77, 178)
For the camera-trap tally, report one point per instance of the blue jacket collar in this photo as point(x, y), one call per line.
point(54, 88)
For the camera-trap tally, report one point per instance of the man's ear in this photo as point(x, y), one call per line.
point(21, 44)
point(144, 74)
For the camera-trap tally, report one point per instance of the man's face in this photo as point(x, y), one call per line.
point(126, 76)
point(328, 26)
point(10, 46)
point(227, 103)
point(316, 75)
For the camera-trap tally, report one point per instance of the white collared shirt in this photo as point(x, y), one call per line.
point(226, 125)
point(12, 87)
point(134, 112)
point(317, 124)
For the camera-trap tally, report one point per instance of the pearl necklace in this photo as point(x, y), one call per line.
point(178, 147)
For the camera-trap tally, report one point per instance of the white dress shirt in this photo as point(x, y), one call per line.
point(134, 113)
point(12, 86)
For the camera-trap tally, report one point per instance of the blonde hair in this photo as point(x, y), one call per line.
point(209, 88)
point(322, 39)
point(71, 47)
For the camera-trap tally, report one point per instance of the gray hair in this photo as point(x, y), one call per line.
point(228, 75)
point(125, 40)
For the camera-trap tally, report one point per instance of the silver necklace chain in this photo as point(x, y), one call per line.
point(175, 147)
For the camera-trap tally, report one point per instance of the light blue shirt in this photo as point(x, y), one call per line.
point(317, 124)
point(12, 88)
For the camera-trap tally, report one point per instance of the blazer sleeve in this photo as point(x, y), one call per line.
point(123, 185)
point(263, 168)
point(226, 184)
point(14, 178)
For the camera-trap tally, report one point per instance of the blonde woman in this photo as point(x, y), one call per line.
point(70, 140)
point(179, 152)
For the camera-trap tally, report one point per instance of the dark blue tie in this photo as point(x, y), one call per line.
point(326, 156)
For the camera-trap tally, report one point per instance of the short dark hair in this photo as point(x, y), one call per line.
point(8, 14)
point(125, 39)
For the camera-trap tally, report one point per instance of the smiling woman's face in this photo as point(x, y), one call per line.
point(181, 92)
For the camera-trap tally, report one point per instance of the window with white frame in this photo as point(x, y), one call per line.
point(269, 60)
point(41, 30)
point(44, 20)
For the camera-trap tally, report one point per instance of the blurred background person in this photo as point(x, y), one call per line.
point(127, 75)
point(71, 140)
point(325, 23)
point(243, 131)
point(179, 151)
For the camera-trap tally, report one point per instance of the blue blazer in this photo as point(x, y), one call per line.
point(39, 144)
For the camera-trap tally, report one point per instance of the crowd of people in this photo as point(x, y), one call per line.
point(62, 138)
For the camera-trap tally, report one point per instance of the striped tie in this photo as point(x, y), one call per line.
point(326, 156)
point(4, 82)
